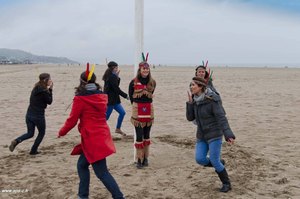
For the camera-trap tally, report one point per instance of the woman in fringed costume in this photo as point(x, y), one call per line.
point(141, 90)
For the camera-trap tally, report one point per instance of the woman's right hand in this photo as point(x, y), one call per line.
point(190, 99)
point(230, 141)
point(50, 84)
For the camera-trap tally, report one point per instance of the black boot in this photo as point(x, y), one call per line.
point(145, 162)
point(223, 175)
point(139, 164)
point(210, 165)
point(13, 145)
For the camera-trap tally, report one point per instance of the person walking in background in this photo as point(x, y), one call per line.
point(141, 90)
point(41, 96)
point(89, 107)
point(206, 110)
point(111, 88)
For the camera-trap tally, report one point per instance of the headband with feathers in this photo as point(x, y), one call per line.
point(88, 72)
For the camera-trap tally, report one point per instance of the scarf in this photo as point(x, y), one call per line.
point(91, 87)
point(201, 97)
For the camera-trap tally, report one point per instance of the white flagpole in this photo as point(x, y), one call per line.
point(139, 32)
point(139, 44)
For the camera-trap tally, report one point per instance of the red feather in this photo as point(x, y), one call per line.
point(87, 70)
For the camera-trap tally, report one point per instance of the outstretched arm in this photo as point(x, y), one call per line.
point(73, 117)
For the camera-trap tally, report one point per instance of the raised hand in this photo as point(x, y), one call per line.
point(189, 96)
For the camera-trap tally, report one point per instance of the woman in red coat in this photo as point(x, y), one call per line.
point(89, 106)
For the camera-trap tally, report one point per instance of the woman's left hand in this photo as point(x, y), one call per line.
point(230, 141)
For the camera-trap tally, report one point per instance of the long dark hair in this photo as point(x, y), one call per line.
point(111, 65)
point(83, 81)
point(107, 74)
point(44, 78)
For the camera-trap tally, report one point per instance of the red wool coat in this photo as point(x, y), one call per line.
point(96, 140)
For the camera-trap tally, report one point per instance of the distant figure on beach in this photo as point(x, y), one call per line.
point(111, 88)
point(141, 90)
point(41, 96)
point(201, 71)
point(89, 107)
point(206, 110)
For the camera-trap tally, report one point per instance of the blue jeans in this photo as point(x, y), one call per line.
point(214, 148)
point(33, 121)
point(101, 172)
point(119, 108)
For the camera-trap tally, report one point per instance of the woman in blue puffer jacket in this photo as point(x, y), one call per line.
point(205, 107)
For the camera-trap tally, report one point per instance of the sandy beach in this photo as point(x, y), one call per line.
point(262, 106)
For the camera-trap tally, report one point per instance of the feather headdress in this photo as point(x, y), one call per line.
point(88, 72)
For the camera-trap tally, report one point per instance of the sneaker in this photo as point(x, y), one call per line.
point(13, 145)
point(119, 131)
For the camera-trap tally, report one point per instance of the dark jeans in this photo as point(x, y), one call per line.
point(142, 133)
point(101, 172)
point(33, 121)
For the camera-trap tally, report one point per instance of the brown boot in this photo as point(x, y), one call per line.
point(13, 145)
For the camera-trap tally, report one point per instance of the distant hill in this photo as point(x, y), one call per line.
point(12, 56)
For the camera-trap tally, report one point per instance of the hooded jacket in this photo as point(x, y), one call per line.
point(39, 99)
point(96, 140)
point(210, 117)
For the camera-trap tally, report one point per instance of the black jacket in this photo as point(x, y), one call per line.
point(210, 117)
point(112, 89)
point(39, 99)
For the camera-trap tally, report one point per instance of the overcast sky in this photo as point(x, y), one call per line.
point(181, 32)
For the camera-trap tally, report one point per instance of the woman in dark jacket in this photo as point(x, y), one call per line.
point(207, 111)
point(41, 96)
point(111, 88)
point(141, 90)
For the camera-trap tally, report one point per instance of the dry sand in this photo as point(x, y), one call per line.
point(263, 109)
